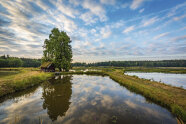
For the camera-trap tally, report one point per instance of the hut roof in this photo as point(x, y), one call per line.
point(46, 64)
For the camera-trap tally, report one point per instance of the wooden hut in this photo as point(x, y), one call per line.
point(48, 67)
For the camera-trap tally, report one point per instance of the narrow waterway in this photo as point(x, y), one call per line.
point(81, 99)
point(178, 80)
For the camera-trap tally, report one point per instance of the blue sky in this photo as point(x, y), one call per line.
point(100, 30)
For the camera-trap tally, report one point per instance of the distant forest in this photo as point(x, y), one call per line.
point(7, 61)
point(162, 63)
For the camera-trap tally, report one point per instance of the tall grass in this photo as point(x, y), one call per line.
point(173, 98)
point(22, 81)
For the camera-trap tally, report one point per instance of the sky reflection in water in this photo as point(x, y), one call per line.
point(178, 80)
point(82, 99)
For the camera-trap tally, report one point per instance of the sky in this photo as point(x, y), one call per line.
point(100, 30)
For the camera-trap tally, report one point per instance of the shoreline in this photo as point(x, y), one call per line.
point(173, 98)
point(27, 79)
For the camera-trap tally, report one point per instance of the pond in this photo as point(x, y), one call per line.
point(178, 80)
point(81, 99)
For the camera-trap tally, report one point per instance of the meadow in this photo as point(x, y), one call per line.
point(173, 98)
point(16, 79)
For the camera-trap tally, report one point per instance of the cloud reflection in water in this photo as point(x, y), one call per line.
point(84, 99)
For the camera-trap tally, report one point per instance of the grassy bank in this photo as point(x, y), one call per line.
point(173, 98)
point(177, 70)
point(22, 79)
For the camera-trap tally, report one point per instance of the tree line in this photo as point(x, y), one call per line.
point(7, 61)
point(160, 63)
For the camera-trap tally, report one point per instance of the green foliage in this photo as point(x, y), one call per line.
point(179, 111)
point(163, 63)
point(10, 61)
point(7, 61)
point(28, 62)
point(79, 64)
point(57, 49)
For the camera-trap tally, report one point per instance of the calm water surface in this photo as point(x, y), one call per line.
point(81, 99)
point(178, 80)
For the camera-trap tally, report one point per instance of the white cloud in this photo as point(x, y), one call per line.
point(96, 9)
point(66, 10)
point(93, 31)
point(105, 32)
point(20, 18)
point(179, 17)
point(75, 2)
point(41, 4)
point(141, 10)
point(150, 21)
point(29, 27)
point(62, 22)
point(111, 2)
point(86, 43)
point(88, 18)
point(136, 3)
point(125, 5)
point(117, 24)
point(83, 32)
point(128, 29)
point(161, 35)
point(176, 8)
point(179, 38)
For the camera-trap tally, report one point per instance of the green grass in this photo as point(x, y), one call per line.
point(24, 79)
point(178, 70)
point(173, 98)
point(7, 73)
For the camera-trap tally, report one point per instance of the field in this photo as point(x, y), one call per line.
point(15, 79)
point(173, 98)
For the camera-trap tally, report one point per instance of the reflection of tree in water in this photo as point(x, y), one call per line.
point(56, 95)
